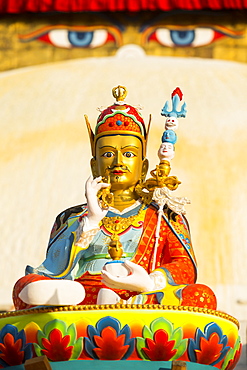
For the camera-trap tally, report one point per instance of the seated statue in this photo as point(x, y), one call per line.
point(108, 251)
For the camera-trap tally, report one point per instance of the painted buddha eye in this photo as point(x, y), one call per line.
point(69, 39)
point(74, 36)
point(182, 38)
point(179, 36)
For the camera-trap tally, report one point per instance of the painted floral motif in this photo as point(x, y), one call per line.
point(210, 347)
point(58, 342)
point(108, 340)
point(107, 331)
point(232, 356)
point(161, 342)
point(13, 347)
point(185, 240)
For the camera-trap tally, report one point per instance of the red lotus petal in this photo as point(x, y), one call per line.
point(109, 334)
point(9, 342)
point(161, 336)
point(46, 353)
point(56, 349)
point(150, 344)
point(65, 340)
point(46, 344)
point(160, 349)
point(58, 353)
point(55, 335)
point(18, 344)
point(11, 353)
point(98, 341)
point(210, 350)
point(113, 352)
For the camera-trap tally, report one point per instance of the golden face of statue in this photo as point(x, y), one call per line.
point(120, 158)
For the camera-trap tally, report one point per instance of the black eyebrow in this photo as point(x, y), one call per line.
point(132, 146)
point(107, 146)
point(123, 147)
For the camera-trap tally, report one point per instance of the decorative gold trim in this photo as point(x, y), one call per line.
point(96, 307)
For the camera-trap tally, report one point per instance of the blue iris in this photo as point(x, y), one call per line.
point(80, 39)
point(182, 38)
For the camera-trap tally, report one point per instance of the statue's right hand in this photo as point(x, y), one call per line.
point(95, 212)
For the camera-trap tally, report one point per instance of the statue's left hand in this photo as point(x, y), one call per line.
point(138, 279)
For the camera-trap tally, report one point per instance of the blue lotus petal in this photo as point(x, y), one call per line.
point(224, 340)
point(89, 343)
point(8, 328)
point(131, 344)
point(194, 344)
point(128, 341)
point(92, 331)
point(28, 351)
point(199, 334)
point(108, 321)
point(89, 347)
point(191, 350)
point(126, 331)
point(209, 329)
point(22, 335)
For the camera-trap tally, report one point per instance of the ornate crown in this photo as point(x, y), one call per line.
point(119, 119)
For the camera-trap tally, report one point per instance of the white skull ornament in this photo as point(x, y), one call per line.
point(171, 123)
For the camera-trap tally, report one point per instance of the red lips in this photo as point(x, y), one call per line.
point(118, 172)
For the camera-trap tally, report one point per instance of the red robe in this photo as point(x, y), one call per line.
point(175, 258)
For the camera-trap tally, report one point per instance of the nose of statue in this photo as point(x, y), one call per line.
point(118, 160)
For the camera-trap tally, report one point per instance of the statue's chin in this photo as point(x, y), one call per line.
point(119, 184)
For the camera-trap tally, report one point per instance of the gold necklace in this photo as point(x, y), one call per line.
point(116, 225)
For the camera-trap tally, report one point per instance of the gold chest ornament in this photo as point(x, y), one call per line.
point(116, 226)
